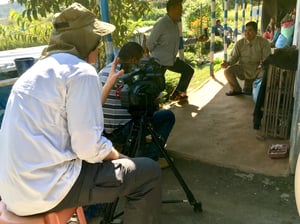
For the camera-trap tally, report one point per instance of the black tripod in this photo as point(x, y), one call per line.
point(135, 146)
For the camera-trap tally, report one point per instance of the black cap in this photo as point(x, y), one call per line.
point(131, 50)
point(173, 2)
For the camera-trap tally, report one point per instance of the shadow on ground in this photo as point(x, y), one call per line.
point(228, 196)
point(218, 129)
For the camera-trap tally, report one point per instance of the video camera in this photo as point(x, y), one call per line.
point(142, 86)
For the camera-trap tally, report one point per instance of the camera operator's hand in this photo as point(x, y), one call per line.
point(111, 79)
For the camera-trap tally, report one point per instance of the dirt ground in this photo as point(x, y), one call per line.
point(228, 196)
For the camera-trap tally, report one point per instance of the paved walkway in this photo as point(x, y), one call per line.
point(217, 129)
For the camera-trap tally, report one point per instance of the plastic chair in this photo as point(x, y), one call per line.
point(59, 217)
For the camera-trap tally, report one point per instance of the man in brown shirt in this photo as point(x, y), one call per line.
point(245, 61)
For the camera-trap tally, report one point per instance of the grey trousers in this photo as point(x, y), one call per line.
point(136, 179)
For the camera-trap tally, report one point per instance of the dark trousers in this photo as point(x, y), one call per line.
point(136, 179)
point(186, 72)
point(162, 123)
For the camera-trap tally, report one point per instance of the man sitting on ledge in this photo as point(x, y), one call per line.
point(245, 61)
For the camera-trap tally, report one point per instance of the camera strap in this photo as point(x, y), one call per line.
point(118, 91)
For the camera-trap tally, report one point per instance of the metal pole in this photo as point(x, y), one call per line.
point(225, 29)
point(243, 18)
point(251, 9)
point(109, 52)
point(212, 34)
point(236, 8)
point(257, 14)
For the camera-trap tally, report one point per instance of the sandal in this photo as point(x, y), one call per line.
point(178, 96)
point(233, 93)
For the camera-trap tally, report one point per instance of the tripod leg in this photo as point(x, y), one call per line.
point(158, 142)
point(134, 144)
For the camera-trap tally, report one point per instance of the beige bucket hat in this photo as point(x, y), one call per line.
point(76, 30)
point(77, 16)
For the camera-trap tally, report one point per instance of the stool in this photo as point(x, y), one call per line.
point(59, 217)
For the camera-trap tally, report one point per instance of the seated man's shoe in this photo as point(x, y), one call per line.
point(233, 93)
point(178, 96)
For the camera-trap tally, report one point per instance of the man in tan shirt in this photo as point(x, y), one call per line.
point(246, 59)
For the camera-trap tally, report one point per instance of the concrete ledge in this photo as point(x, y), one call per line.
point(8, 82)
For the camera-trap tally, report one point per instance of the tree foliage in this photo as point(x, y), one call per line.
point(21, 32)
point(125, 14)
point(200, 13)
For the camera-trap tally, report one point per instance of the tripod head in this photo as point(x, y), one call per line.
point(146, 111)
point(142, 87)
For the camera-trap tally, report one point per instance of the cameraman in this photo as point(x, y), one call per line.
point(117, 119)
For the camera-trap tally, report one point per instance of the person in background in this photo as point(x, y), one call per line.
point(246, 60)
point(117, 119)
point(220, 31)
point(163, 44)
point(287, 27)
point(276, 34)
point(53, 154)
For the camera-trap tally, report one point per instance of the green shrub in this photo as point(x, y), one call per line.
point(22, 32)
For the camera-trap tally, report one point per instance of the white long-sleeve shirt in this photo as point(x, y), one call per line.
point(53, 120)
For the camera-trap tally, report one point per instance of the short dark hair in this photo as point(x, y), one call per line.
point(130, 50)
point(252, 24)
point(172, 3)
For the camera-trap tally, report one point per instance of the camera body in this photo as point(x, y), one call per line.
point(142, 86)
